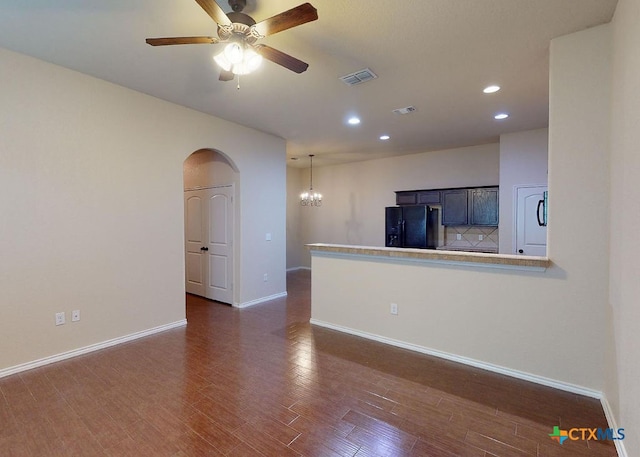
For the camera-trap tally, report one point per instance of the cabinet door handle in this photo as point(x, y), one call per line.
point(540, 221)
point(204, 248)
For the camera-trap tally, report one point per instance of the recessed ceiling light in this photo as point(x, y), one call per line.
point(353, 121)
point(384, 137)
point(501, 116)
point(491, 89)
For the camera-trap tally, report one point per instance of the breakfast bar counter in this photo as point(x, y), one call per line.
point(431, 255)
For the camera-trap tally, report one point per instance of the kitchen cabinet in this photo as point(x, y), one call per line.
point(462, 206)
point(484, 206)
point(455, 207)
point(476, 206)
point(406, 198)
point(418, 197)
point(429, 197)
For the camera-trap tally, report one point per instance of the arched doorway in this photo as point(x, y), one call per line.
point(210, 183)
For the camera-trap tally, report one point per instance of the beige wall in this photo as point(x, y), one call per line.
point(355, 194)
point(91, 190)
point(523, 161)
point(206, 168)
point(579, 182)
point(623, 389)
point(551, 325)
point(296, 253)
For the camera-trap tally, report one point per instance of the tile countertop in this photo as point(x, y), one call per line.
point(441, 256)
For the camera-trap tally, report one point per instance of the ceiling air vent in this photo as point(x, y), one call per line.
point(358, 77)
point(407, 110)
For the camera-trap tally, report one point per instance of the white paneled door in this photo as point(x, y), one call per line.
point(209, 242)
point(531, 237)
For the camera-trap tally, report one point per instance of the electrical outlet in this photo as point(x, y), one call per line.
point(480, 237)
point(394, 309)
point(60, 318)
point(267, 237)
point(75, 315)
point(458, 236)
point(265, 278)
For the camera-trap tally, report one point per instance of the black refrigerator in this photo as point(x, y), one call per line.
point(411, 227)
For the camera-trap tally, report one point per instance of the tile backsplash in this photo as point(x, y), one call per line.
point(470, 238)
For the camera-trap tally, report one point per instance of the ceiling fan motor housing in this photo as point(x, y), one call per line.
point(237, 5)
point(241, 18)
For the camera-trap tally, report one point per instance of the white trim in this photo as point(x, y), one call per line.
point(611, 420)
point(466, 361)
point(298, 268)
point(257, 301)
point(91, 348)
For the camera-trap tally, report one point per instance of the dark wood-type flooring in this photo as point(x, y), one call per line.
point(263, 382)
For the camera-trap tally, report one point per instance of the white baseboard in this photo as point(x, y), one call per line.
point(613, 423)
point(466, 361)
point(259, 300)
point(298, 268)
point(91, 348)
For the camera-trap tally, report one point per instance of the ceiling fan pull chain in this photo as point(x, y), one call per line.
point(238, 87)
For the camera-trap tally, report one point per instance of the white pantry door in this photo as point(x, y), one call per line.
point(531, 238)
point(209, 243)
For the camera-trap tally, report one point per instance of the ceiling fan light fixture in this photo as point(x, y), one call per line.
point(222, 61)
point(252, 60)
point(234, 53)
point(238, 60)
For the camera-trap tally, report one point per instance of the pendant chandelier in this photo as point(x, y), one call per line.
point(310, 197)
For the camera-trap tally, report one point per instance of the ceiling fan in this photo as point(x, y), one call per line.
point(242, 54)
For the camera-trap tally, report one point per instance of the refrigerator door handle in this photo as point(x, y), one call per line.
point(541, 223)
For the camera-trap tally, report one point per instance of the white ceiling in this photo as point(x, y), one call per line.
point(436, 55)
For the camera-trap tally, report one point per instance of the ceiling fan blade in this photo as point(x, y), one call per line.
point(290, 18)
point(214, 11)
point(281, 58)
point(181, 40)
point(226, 76)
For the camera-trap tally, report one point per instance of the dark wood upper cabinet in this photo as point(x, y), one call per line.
point(455, 207)
point(463, 206)
point(484, 206)
point(418, 197)
point(428, 197)
point(406, 198)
